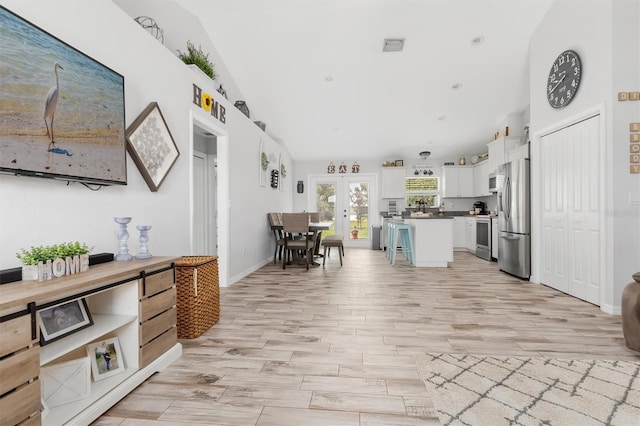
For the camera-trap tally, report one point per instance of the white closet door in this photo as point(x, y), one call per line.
point(554, 218)
point(572, 239)
point(585, 204)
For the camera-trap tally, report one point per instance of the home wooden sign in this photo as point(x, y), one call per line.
point(205, 101)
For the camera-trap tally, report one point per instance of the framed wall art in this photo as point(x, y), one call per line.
point(264, 164)
point(63, 319)
point(151, 146)
point(106, 358)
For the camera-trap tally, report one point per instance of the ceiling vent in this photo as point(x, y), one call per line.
point(393, 45)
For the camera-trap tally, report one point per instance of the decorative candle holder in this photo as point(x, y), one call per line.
point(123, 236)
point(143, 239)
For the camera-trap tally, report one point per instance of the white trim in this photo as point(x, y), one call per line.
point(224, 203)
point(248, 271)
point(606, 188)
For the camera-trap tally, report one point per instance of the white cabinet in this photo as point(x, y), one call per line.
point(496, 154)
point(457, 182)
point(494, 237)
point(471, 234)
point(498, 151)
point(518, 152)
point(459, 233)
point(481, 179)
point(393, 182)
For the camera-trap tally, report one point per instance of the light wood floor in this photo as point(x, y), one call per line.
point(335, 346)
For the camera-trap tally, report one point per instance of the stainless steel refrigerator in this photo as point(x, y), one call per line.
point(514, 218)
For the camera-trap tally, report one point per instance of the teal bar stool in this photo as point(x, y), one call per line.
point(391, 239)
point(405, 232)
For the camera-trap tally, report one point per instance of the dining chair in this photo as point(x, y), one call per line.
point(275, 222)
point(297, 224)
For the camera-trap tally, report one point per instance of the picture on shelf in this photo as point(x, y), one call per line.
point(63, 319)
point(106, 358)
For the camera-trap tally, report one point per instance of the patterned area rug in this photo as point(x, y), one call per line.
point(479, 390)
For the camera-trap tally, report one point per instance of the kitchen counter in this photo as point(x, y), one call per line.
point(432, 240)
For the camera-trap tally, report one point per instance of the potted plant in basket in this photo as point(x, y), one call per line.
point(41, 262)
point(198, 58)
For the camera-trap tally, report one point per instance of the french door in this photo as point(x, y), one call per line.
point(349, 202)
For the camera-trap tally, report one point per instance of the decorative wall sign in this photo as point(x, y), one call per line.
point(151, 146)
point(355, 168)
point(342, 168)
point(209, 104)
point(331, 169)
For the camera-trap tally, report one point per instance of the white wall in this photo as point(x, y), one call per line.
point(39, 211)
point(606, 36)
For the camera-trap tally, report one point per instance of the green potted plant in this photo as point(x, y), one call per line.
point(195, 56)
point(58, 253)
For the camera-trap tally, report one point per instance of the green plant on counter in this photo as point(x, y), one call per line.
point(198, 58)
point(44, 253)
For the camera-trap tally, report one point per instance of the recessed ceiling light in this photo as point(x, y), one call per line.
point(456, 86)
point(328, 77)
point(335, 128)
point(442, 117)
point(476, 41)
point(393, 45)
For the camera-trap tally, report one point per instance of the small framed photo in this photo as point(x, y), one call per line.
point(399, 163)
point(63, 319)
point(151, 146)
point(106, 358)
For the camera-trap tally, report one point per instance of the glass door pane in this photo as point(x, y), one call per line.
point(359, 210)
point(326, 205)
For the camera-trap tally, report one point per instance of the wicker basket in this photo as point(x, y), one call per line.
point(198, 295)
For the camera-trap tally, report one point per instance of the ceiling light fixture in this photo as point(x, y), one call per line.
point(476, 41)
point(393, 45)
point(425, 154)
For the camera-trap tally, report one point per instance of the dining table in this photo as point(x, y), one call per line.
point(316, 228)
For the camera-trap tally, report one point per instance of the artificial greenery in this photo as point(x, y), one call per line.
point(44, 253)
point(264, 161)
point(283, 171)
point(198, 58)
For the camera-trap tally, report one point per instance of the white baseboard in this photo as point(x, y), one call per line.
point(248, 271)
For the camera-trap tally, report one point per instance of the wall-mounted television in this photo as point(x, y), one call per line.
point(61, 112)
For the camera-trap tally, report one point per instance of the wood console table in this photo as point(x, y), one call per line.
point(134, 300)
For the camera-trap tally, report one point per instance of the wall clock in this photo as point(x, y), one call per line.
point(564, 79)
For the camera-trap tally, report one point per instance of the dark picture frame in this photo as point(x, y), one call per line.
point(399, 163)
point(151, 146)
point(63, 319)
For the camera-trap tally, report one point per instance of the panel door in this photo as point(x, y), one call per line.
point(571, 196)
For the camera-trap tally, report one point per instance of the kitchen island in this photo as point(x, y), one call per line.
point(432, 240)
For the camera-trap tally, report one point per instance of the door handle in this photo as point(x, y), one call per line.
point(509, 238)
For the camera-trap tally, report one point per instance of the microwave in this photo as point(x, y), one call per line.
point(493, 182)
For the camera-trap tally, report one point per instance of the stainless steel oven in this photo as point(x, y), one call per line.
point(483, 237)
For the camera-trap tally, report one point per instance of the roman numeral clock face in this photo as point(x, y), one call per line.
point(564, 79)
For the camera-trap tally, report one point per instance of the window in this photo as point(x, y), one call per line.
point(425, 189)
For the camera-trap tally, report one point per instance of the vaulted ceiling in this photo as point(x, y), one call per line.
point(315, 72)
